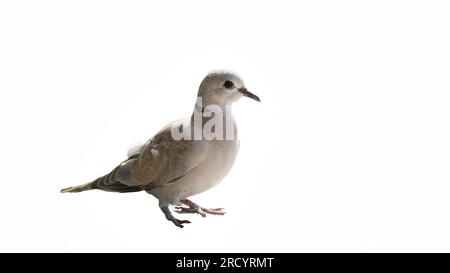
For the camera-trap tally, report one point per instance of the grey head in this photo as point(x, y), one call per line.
point(223, 88)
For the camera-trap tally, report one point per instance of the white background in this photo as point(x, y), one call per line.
point(349, 149)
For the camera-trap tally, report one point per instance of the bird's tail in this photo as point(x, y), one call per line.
point(80, 188)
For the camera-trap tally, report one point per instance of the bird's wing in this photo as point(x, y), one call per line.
point(163, 160)
point(119, 179)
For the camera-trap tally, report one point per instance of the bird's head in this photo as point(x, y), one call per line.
point(223, 88)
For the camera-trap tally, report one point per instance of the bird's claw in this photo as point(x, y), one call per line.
point(190, 210)
point(199, 210)
point(217, 211)
point(179, 223)
point(169, 216)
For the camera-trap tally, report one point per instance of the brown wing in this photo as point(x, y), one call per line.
point(163, 160)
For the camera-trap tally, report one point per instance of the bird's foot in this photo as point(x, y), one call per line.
point(181, 210)
point(217, 211)
point(170, 217)
point(179, 223)
point(194, 208)
point(199, 210)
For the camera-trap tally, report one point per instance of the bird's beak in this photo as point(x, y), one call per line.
point(249, 94)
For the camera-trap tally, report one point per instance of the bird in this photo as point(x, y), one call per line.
point(187, 156)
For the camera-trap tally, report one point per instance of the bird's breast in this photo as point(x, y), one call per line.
point(216, 165)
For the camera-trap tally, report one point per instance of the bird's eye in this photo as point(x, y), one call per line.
point(228, 84)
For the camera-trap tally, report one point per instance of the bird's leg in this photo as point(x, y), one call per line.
point(194, 208)
point(169, 216)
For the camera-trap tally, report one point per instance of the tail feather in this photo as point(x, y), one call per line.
point(80, 188)
point(108, 182)
point(118, 180)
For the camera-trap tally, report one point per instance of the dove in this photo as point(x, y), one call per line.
point(186, 157)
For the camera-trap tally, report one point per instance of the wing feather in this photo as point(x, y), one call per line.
point(163, 160)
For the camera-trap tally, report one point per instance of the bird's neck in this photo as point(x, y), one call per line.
point(210, 111)
point(216, 119)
